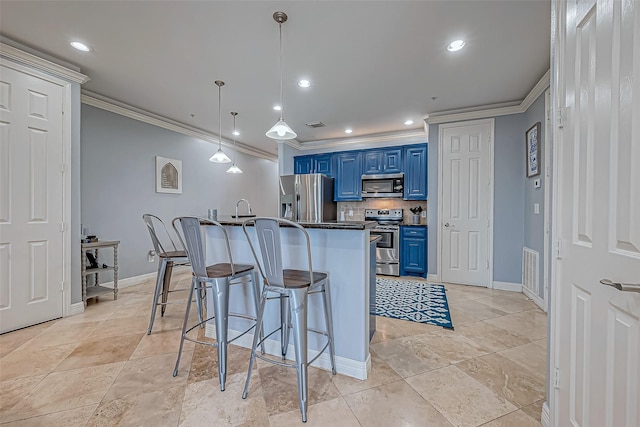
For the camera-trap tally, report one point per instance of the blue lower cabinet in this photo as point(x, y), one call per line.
point(413, 251)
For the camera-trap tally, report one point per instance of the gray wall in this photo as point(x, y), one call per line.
point(534, 223)
point(515, 225)
point(118, 183)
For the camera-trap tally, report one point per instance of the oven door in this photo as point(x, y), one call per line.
point(387, 251)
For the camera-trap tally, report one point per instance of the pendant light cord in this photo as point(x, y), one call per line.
point(281, 104)
point(219, 121)
point(234, 137)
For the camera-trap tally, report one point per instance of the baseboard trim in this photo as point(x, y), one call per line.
point(137, 280)
point(507, 286)
point(433, 278)
point(535, 298)
point(546, 415)
point(76, 308)
point(344, 366)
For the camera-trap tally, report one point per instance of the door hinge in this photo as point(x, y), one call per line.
point(62, 227)
point(63, 167)
point(62, 286)
point(556, 378)
point(558, 249)
point(562, 112)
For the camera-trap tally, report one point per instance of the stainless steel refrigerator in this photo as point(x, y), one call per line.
point(307, 198)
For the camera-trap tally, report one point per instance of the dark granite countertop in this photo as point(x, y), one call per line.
point(328, 225)
point(414, 225)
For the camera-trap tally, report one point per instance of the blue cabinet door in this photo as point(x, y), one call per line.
point(413, 251)
point(415, 172)
point(382, 161)
point(392, 160)
point(372, 160)
point(303, 164)
point(348, 176)
point(323, 164)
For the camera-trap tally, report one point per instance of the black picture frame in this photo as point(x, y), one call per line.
point(532, 147)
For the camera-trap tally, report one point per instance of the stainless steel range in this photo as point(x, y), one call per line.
point(388, 247)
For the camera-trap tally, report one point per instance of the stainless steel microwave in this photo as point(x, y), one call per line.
point(389, 185)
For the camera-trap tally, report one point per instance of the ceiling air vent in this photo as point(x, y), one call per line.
point(315, 124)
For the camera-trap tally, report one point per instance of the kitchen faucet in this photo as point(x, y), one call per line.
point(248, 206)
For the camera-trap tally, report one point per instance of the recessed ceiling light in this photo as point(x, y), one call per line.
point(80, 46)
point(348, 130)
point(408, 122)
point(304, 83)
point(236, 133)
point(455, 45)
point(277, 107)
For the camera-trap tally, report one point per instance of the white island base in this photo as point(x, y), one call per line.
point(345, 255)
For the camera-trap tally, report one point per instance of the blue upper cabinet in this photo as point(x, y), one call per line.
point(348, 176)
point(415, 172)
point(303, 164)
point(314, 163)
point(324, 164)
point(382, 161)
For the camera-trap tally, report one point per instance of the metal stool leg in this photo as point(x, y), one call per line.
point(259, 329)
point(220, 293)
point(284, 320)
point(159, 280)
point(328, 318)
point(165, 286)
point(194, 284)
point(298, 305)
point(263, 300)
point(199, 306)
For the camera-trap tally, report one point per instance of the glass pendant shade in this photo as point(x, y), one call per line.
point(220, 157)
point(281, 130)
point(234, 169)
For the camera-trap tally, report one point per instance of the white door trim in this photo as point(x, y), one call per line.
point(66, 190)
point(548, 161)
point(441, 129)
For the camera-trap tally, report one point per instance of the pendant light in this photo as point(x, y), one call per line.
point(234, 168)
point(281, 130)
point(219, 156)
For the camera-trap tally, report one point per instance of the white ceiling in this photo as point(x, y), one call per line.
point(373, 64)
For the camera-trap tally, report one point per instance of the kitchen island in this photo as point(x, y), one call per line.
point(341, 249)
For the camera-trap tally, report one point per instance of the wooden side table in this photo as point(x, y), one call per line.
point(97, 290)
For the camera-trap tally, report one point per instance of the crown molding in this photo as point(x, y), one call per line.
point(404, 137)
point(104, 103)
point(33, 61)
point(492, 110)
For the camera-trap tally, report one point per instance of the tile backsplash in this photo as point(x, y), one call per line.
point(359, 208)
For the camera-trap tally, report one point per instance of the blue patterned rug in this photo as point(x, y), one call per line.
point(414, 301)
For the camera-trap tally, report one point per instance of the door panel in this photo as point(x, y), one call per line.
point(465, 200)
point(31, 204)
point(595, 328)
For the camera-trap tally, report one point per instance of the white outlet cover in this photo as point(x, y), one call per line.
point(536, 208)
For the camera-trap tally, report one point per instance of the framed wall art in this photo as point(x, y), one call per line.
point(532, 144)
point(168, 175)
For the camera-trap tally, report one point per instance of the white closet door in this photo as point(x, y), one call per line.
point(31, 200)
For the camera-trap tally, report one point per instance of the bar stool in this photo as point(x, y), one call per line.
point(168, 259)
point(293, 286)
point(217, 277)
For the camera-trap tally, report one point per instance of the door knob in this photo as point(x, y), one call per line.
point(625, 287)
point(446, 225)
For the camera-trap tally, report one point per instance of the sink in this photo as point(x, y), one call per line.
point(243, 216)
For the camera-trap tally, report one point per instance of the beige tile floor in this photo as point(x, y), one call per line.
point(100, 369)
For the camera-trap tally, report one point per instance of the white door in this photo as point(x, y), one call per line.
point(466, 184)
point(595, 327)
point(31, 200)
